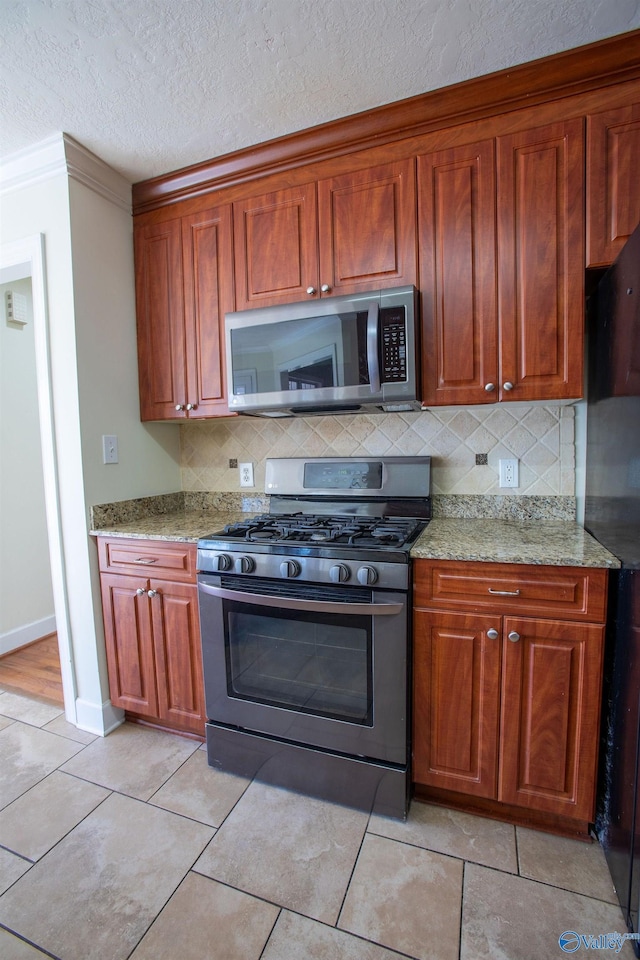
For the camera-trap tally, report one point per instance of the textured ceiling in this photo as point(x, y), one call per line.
point(154, 85)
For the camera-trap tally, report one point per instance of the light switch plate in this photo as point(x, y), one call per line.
point(109, 449)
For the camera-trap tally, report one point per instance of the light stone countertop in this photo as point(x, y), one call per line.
point(554, 543)
point(185, 526)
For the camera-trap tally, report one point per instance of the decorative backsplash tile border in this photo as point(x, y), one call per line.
point(542, 438)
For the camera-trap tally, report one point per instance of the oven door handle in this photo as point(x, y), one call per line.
point(312, 606)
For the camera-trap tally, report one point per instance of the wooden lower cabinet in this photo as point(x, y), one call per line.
point(507, 708)
point(152, 637)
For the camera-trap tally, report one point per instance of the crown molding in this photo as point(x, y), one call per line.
point(61, 154)
point(580, 70)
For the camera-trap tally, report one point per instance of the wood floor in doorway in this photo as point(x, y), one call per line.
point(34, 670)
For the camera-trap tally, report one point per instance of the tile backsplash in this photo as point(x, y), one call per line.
point(542, 438)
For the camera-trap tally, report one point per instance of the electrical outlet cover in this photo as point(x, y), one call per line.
point(246, 474)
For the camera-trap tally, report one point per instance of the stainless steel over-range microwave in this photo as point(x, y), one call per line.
point(350, 354)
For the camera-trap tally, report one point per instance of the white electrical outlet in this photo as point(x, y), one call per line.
point(109, 449)
point(246, 474)
point(508, 473)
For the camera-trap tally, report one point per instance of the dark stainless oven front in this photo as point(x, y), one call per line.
point(321, 666)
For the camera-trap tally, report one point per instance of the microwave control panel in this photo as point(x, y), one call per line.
point(393, 361)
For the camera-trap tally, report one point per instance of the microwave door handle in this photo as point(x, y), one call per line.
point(310, 606)
point(373, 366)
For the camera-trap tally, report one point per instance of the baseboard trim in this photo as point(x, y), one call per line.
point(26, 634)
point(98, 718)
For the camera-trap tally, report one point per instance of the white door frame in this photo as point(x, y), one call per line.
point(18, 260)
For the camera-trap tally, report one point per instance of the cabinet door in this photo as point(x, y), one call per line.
point(129, 644)
point(275, 243)
point(456, 702)
point(551, 677)
point(613, 182)
point(541, 262)
point(208, 295)
point(176, 631)
point(457, 252)
point(367, 229)
point(160, 319)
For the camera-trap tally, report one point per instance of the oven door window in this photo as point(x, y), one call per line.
point(308, 663)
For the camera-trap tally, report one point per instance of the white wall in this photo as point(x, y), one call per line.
point(26, 602)
point(91, 327)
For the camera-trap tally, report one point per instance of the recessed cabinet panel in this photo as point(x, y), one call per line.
point(160, 315)
point(613, 182)
point(129, 645)
point(540, 262)
point(455, 738)
point(276, 252)
point(456, 222)
point(179, 665)
point(367, 229)
point(208, 295)
point(551, 690)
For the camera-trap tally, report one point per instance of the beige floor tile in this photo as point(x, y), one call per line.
point(519, 919)
point(565, 863)
point(299, 938)
point(11, 867)
point(133, 760)
point(198, 791)
point(452, 832)
point(63, 728)
point(208, 919)
point(293, 850)
point(5, 722)
point(29, 711)
point(12, 948)
point(38, 819)
point(104, 883)
point(405, 898)
point(27, 754)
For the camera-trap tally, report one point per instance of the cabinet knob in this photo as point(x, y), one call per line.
point(311, 291)
point(152, 593)
point(140, 592)
point(492, 634)
point(192, 406)
point(513, 636)
point(179, 406)
point(325, 288)
point(507, 385)
point(489, 387)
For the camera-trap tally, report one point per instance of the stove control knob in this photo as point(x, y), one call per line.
point(367, 576)
point(222, 562)
point(289, 568)
point(339, 573)
point(244, 565)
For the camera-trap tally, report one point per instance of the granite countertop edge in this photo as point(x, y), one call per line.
point(553, 543)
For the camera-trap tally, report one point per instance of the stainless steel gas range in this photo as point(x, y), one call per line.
point(305, 619)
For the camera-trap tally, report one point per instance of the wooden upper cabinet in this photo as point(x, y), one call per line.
point(541, 262)
point(346, 234)
point(367, 229)
point(160, 319)
point(184, 285)
point(208, 295)
point(456, 222)
point(613, 182)
point(276, 247)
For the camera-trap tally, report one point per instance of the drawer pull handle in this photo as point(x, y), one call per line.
point(504, 593)
point(146, 560)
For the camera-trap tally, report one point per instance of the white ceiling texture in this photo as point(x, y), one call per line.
point(154, 85)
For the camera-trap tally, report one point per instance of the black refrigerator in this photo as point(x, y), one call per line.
point(612, 515)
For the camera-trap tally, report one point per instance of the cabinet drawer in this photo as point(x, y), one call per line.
point(575, 593)
point(148, 558)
